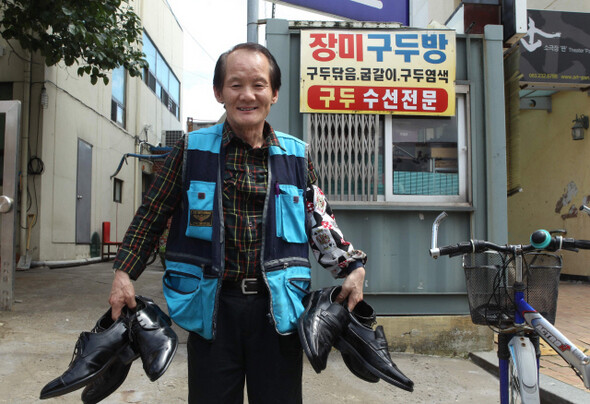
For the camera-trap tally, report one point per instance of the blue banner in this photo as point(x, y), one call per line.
point(360, 10)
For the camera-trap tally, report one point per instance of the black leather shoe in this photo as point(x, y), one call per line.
point(366, 316)
point(93, 354)
point(369, 349)
point(320, 325)
point(113, 377)
point(153, 338)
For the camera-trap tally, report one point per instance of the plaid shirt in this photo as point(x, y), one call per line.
point(245, 183)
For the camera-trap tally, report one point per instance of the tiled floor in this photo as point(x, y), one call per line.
point(573, 320)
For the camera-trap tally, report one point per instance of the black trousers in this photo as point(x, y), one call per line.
point(247, 349)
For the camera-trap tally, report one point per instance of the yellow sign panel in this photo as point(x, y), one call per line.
point(406, 72)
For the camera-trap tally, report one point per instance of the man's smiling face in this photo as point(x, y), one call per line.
point(247, 92)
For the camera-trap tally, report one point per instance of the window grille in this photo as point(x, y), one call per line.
point(345, 153)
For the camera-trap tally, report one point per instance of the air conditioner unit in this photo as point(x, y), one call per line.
point(170, 137)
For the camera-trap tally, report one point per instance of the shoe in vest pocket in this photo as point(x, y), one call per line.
point(190, 297)
point(290, 213)
point(201, 196)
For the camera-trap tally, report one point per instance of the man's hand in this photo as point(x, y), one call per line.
point(352, 288)
point(122, 294)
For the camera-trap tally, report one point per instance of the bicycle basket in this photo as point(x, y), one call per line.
point(489, 279)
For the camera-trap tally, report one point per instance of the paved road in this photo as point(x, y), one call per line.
point(54, 305)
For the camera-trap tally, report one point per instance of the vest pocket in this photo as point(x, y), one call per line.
point(290, 213)
point(190, 297)
point(287, 288)
point(200, 195)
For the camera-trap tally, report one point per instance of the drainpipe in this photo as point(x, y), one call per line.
point(136, 175)
point(26, 126)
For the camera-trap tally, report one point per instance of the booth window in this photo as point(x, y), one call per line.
point(118, 96)
point(118, 190)
point(159, 77)
point(385, 158)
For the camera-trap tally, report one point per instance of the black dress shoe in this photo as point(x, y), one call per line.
point(153, 338)
point(320, 324)
point(365, 314)
point(93, 354)
point(113, 377)
point(369, 349)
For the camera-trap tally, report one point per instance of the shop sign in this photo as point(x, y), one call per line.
point(556, 49)
point(406, 72)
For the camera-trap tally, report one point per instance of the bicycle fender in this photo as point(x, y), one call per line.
point(524, 359)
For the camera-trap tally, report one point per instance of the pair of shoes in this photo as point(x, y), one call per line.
point(93, 355)
point(113, 377)
point(152, 339)
point(103, 356)
point(325, 323)
point(365, 351)
point(320, 324)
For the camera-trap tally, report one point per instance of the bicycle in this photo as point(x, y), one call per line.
point(513, 290)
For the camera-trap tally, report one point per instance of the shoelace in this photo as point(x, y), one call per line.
point(77, 348)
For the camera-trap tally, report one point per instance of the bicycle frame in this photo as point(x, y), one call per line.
point(524, 353)
point(563, 346)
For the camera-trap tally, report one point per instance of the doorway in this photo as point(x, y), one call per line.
point(83, 192)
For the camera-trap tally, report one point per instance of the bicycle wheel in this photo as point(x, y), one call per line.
point(523, 383)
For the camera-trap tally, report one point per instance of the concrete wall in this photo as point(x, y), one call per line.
point(554, 176)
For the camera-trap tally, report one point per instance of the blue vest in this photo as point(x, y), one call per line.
point(195, 252)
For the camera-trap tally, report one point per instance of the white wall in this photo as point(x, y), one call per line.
point(79, 110)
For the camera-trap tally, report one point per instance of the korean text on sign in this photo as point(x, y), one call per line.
point(369, 71)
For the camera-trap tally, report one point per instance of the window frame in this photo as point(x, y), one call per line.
point(157, 84)
point(118, 105)
point(118, 190)
point(463, 160)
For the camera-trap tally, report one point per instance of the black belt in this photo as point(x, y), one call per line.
point(247, 286)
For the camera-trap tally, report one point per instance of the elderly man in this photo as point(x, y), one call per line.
point(244, 208)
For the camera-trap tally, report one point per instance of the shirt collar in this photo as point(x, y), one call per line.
point(270, 138)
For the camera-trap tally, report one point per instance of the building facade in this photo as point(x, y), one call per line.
point(77, 134)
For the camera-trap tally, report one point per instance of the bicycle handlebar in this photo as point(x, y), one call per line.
point(540, 240)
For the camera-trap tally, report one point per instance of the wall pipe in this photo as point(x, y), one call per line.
point(65, 263)
point(139, 156)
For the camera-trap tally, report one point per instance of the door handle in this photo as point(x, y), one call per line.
point(6, 203)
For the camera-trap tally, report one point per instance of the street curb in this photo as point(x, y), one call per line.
point(552, 390)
